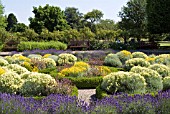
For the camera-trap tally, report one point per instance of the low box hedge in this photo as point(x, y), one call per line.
point(86, 82)
point(100, 93)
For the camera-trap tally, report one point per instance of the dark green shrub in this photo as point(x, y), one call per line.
point(85, 82)
point(97, 45)
point(41, 45)
point(166, 83)
point(100, 93)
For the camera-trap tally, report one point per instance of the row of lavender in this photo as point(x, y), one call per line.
point(60, 104)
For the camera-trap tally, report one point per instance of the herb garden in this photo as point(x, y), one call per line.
point(125, 83)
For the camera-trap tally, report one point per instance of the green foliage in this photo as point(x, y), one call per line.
point(41, 45)
point(86, 82)
point(66, 58)
point(112, 60)
point(124, 55)
point(4, 35)
point(10, 82)
point(2, 18)
point(166, 83)
point(73, 17)
point(94, 16)
point(163, 70)
point(12, 21)
point(30, 35)
point(158, 16)
point(139, 55)
point(19, 27)
point(100, 93)
point(50, 17)
point(152, 78)
point(37, 84)
point(99, 45)
point(133, 18)
point(127, 82)
point(136, 62)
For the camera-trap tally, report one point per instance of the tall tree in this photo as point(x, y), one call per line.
point(49, 17)
point(73, 17)
point(106, 24)
point(133, 18)
point(19, 27)
point(12, 21)
point(2, 18)
point(158, 16)
point(93, 18)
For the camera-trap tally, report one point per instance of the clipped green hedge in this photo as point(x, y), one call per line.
point(100, 93)
point(41, 45)
point(86, 82)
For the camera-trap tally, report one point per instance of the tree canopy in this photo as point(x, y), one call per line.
point(73, 17)
point(158, 16)
point(12, 21)
point(133, 18)
point(2, 18)
point(50, 17)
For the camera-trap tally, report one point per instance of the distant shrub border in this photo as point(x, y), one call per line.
point(85, 82)
point(41, 45)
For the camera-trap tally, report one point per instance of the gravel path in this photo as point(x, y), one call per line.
point(87, 95)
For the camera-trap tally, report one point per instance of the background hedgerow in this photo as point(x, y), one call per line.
point(22, 46)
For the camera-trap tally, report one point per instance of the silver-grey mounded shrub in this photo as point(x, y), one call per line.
point(152, 78)
point(66, 58)
point(127, 82)
point(10, 82)
point(112, 60)
point(136, 62)
point(37, 84)
point(163, 70)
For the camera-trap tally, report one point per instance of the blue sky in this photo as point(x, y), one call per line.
point(23, 8)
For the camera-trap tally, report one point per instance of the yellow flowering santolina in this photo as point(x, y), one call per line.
point(124, 55)
point(73, 71)
point(46, 55)
point(2, 71)
point(104, 70)
point(82, 64)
